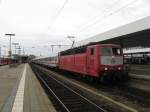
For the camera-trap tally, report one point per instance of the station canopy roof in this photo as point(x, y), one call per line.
point(130, 35)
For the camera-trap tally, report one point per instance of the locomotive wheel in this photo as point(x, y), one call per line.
point(114, 80)
point(104, 79)
point(125, 76)
point(91, 79)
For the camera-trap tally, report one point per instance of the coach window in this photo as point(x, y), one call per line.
point(92, 51)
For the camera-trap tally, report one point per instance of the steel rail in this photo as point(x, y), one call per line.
point(69, 89)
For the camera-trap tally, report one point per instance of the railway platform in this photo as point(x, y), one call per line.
point(140, 72)
point(21, 91)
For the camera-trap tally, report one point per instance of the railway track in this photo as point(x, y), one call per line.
point(141, 97)
point(128, 95)
point(64, 98)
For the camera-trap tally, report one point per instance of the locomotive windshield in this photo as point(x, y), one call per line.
point(109, 51)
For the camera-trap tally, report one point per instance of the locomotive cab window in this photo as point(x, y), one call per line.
point(106, 51)
point(116, 51)
point(92, 51)
point(109, 51)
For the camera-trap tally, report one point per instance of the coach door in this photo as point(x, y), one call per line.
point(90, 59)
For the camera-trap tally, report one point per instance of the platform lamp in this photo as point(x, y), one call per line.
point(10, 52)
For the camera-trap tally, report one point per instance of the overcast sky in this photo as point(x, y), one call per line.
point(41, 23)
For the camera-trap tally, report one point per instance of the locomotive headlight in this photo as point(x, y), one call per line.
point(119, 68)
point(105, 68)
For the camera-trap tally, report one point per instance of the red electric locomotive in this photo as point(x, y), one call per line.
point(100, 61)
point(103, 62)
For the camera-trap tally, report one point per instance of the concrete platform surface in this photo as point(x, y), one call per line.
point(35, 98)
point(8, 81)
point(21, 91)
point(140, 69)
point(140, 72)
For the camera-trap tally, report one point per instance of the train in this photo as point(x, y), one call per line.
point(4, 61)
point(102, 62)
point(7, 61)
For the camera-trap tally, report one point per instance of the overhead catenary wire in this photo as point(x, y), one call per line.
point(96, 16)
point(58, 14)
point(107, 16)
